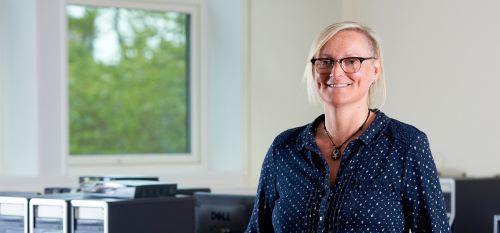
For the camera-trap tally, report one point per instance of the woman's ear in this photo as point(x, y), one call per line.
point(377, 70)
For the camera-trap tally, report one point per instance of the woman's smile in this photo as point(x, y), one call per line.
point(338, 85)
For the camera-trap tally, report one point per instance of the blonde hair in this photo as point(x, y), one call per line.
point(377, 92)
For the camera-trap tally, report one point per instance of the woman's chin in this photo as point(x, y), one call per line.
point(343, 101)
point(336, 102)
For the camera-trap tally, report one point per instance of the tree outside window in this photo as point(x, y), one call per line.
point(128, 81)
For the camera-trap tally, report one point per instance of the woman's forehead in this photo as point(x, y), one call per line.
point(348, 42)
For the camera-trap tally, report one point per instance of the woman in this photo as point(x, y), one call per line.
point(353, 169)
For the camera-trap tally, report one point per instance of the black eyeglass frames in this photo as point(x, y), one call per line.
point(348, 64)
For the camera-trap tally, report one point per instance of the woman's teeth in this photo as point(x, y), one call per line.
point(339, 85)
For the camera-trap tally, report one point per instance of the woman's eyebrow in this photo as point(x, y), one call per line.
point(324, 56)
point(321, 55)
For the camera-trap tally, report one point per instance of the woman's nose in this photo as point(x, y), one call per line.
point(336, 70)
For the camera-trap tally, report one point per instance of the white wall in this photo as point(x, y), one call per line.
point(281, 33)
point(3, 73)
point(441, 60)
point(226, 30)
point(440, 63)
point(18, 88)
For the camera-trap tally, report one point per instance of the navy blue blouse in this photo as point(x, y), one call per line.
point(387, 182)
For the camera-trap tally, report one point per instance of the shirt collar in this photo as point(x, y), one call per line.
point(375, 127)
point(306, 138)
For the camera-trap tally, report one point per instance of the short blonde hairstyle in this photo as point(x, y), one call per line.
point(377, 92)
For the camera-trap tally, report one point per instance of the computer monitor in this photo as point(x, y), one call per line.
point(496, 223)
point(144, 215)
point(222, 213)
point(50, 213)
point(448, 188)
point(477, 201)
point(14, 211)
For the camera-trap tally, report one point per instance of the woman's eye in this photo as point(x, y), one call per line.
point(351, 61)
point(326, 62)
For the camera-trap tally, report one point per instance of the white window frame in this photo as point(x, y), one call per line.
point(81, 163)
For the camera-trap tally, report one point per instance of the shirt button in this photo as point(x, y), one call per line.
point(321, 218)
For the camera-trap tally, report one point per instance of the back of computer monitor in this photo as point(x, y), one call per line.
point(216, 213)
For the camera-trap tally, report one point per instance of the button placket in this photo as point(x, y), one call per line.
point(346, 166)
point(324, 195)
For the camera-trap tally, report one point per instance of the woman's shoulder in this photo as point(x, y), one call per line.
point(298, 135)
point(289, 135)
point(404, 132)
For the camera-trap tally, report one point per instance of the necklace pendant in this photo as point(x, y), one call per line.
point(335, 153)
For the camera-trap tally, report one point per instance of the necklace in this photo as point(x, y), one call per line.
point(336, 149)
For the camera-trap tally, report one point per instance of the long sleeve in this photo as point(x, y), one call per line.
point(422, 197)
point(261, 219)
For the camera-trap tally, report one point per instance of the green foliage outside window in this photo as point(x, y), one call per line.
point(128, 81)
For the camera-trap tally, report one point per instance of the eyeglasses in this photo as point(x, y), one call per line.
point(348, 64)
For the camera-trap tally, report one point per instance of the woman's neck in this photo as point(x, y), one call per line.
point(342, 122)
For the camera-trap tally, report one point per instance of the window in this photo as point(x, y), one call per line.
point(36, 97)
point(129, 82)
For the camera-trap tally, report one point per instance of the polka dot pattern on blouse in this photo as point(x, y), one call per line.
point(387, 182)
